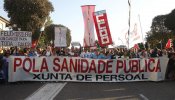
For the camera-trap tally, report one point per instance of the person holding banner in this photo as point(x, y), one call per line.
point(31, 53)
point(170, 71)
point(95, 54)
point(102, 55)
point(48, 51)
point(2, 74)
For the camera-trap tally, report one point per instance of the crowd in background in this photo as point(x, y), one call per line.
point(103, 53)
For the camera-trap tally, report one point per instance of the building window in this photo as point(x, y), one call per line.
point(1, 26)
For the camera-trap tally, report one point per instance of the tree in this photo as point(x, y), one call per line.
point(159, 33)
point(158, 24)
point(170, 21)
point(29, 15)
point(48, 21)
point(155, 39)
point(50, 33)
point(42, 40)
point(141, 46)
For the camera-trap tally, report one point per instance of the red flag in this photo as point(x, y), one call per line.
point(136, 46)
point(102, 28)
point(169, 44)
point(34, 43)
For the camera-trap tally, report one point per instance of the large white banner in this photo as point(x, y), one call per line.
point(60, 37)
point(15, 38)
point(77, 69)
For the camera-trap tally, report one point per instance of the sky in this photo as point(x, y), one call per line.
point(69, 14)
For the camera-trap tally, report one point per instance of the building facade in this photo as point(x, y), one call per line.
point(3, 23)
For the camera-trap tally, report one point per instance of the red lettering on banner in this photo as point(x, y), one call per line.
point(140, 68)
point(88, 66)
point(79, 65)
point(151, 61)
point(119, 65)
point(29, 65)
point(56, 61)
point(135, 66)
point(73, 66)
point(127, 69)
point(44, 65)
point(109, 66)
point(92, 67)
point(101, 66)
point(158, 69)
point(17, 63)
point(84, 65)
point(64, 65)
point(34, 69)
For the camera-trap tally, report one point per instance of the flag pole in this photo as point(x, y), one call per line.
point(129, 21)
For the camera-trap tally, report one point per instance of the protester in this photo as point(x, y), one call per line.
point(154, 52)
point(2, 75)
point(170, 71)
point(48, 51)
point(102, 55)
point(66, 52)
point(95, 54)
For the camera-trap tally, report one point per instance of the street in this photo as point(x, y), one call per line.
point(164, 90)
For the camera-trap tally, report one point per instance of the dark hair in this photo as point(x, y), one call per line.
point(171, 54)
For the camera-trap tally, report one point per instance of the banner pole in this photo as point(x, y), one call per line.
point(129, 20)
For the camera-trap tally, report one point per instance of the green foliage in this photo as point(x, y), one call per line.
point(154, 39)
point(48, 22)
point(29, 15)
point(50, 33)
point(159, 33)
point(146, 45)
point(170, 21)
point(42, 43)
point(141, 46)
point(43, 38)
point(158, 24)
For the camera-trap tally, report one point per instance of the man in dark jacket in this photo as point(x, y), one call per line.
point(170, 71)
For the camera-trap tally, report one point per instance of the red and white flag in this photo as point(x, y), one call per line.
point(102, 28)
point(89, 36)
point(169, 44)
point(134, 34)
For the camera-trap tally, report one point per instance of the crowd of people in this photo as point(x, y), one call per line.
point(103, 53)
